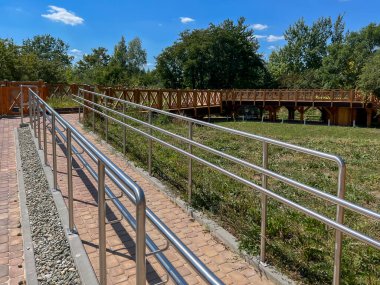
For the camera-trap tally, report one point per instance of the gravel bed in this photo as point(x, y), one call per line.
point(54, 263)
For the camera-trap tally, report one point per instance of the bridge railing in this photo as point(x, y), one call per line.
point(300, 95)
point(92, 101)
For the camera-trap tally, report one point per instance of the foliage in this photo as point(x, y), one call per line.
point(369, 80)
point(296, 244)
point(323, 55)
point(221, 56)
point(42, 57)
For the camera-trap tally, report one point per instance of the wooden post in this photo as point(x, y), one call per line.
point(369, 117)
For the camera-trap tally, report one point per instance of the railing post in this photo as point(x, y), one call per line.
point(70, 181)
point(39, 124)
point(79, 106)
point(21, 105)
point(140, 240)
point(264, 206)
point(44, 133)
point(339, 219)
point(106, 118)
point(102, 223)
point(93, 112)
point(30, 109)
point(190, 175)
point(53, 136)
point(34, 115)
point(124, 131)
point(150, 144)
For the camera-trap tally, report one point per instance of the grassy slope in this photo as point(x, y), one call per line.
point(300, 246)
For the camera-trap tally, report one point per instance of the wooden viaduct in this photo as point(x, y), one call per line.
point(341, 107)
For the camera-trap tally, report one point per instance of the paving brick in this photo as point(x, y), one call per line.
point(10, 240)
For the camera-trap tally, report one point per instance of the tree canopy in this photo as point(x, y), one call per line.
point(220, 56)
point(322, 54)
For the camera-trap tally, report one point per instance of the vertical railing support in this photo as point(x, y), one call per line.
point(93, 112)
point(39, 123)
point(21, 105)
point(339, 219)
point(190, 174)
point(140, 240)
point(44, 133)
point(264, 206)
point(30, 108)
point(102, 223)
point(150, 143)
point(53, 139)
point(70, 181)
point(106, 118)
point(79, 107)
point(124, 131)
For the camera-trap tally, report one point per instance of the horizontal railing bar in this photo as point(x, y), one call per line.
point(289, 181)
point(178, 245)
point(334, 158)
point(367, 240)
point(162, 259)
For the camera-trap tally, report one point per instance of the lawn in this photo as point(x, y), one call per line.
point(297, 245)
point(62, 102)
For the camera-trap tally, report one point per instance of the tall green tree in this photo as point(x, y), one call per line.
point(296, 64)
point(92, 68)
point(221, 56)
point(369, 79)
point(52, 55)
point(136, 57)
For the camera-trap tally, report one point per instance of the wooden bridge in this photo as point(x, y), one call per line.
point(341, 107)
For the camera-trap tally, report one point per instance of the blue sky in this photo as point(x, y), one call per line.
point(87, 24)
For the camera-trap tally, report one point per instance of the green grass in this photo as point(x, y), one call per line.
point(299, 246)
point(62, 102)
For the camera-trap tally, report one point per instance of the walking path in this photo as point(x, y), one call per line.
point(11, 247)
point(120, 236)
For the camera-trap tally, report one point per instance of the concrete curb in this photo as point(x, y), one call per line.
point(82, 262)
point(215, 230)
point(29, 261)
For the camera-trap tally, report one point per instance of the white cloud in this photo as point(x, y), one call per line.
point(260, 36)
point(259, 27)
point(185, 20)
point(76, 51)
point(272, 47)
point(58, 14)
point(273, 38)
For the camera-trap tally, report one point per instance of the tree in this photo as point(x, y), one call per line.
point(136, 57)
point(52, 55)
point(221, 56)
point(126, 62)
point(369, 79)
point(9, 55)
point(297, 64)
point(92, 68)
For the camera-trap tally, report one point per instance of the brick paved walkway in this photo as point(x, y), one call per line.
point(121, 267)
point(11, 248)
point(120, 237)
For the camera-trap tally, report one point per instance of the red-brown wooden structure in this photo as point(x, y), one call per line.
point(341, 107)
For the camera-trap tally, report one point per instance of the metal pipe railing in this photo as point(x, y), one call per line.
point(104, 164)
point(339, 201)
point(174, 274)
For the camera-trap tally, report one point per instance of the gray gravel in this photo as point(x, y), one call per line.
point(54, 263)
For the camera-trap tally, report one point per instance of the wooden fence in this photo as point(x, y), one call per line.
point(172, 99)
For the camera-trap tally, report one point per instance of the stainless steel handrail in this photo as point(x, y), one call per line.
point(194, 261)
point(339, 201)
point(104, 164)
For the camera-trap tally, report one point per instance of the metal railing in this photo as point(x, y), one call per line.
point(87, 100)
point(128, 187)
